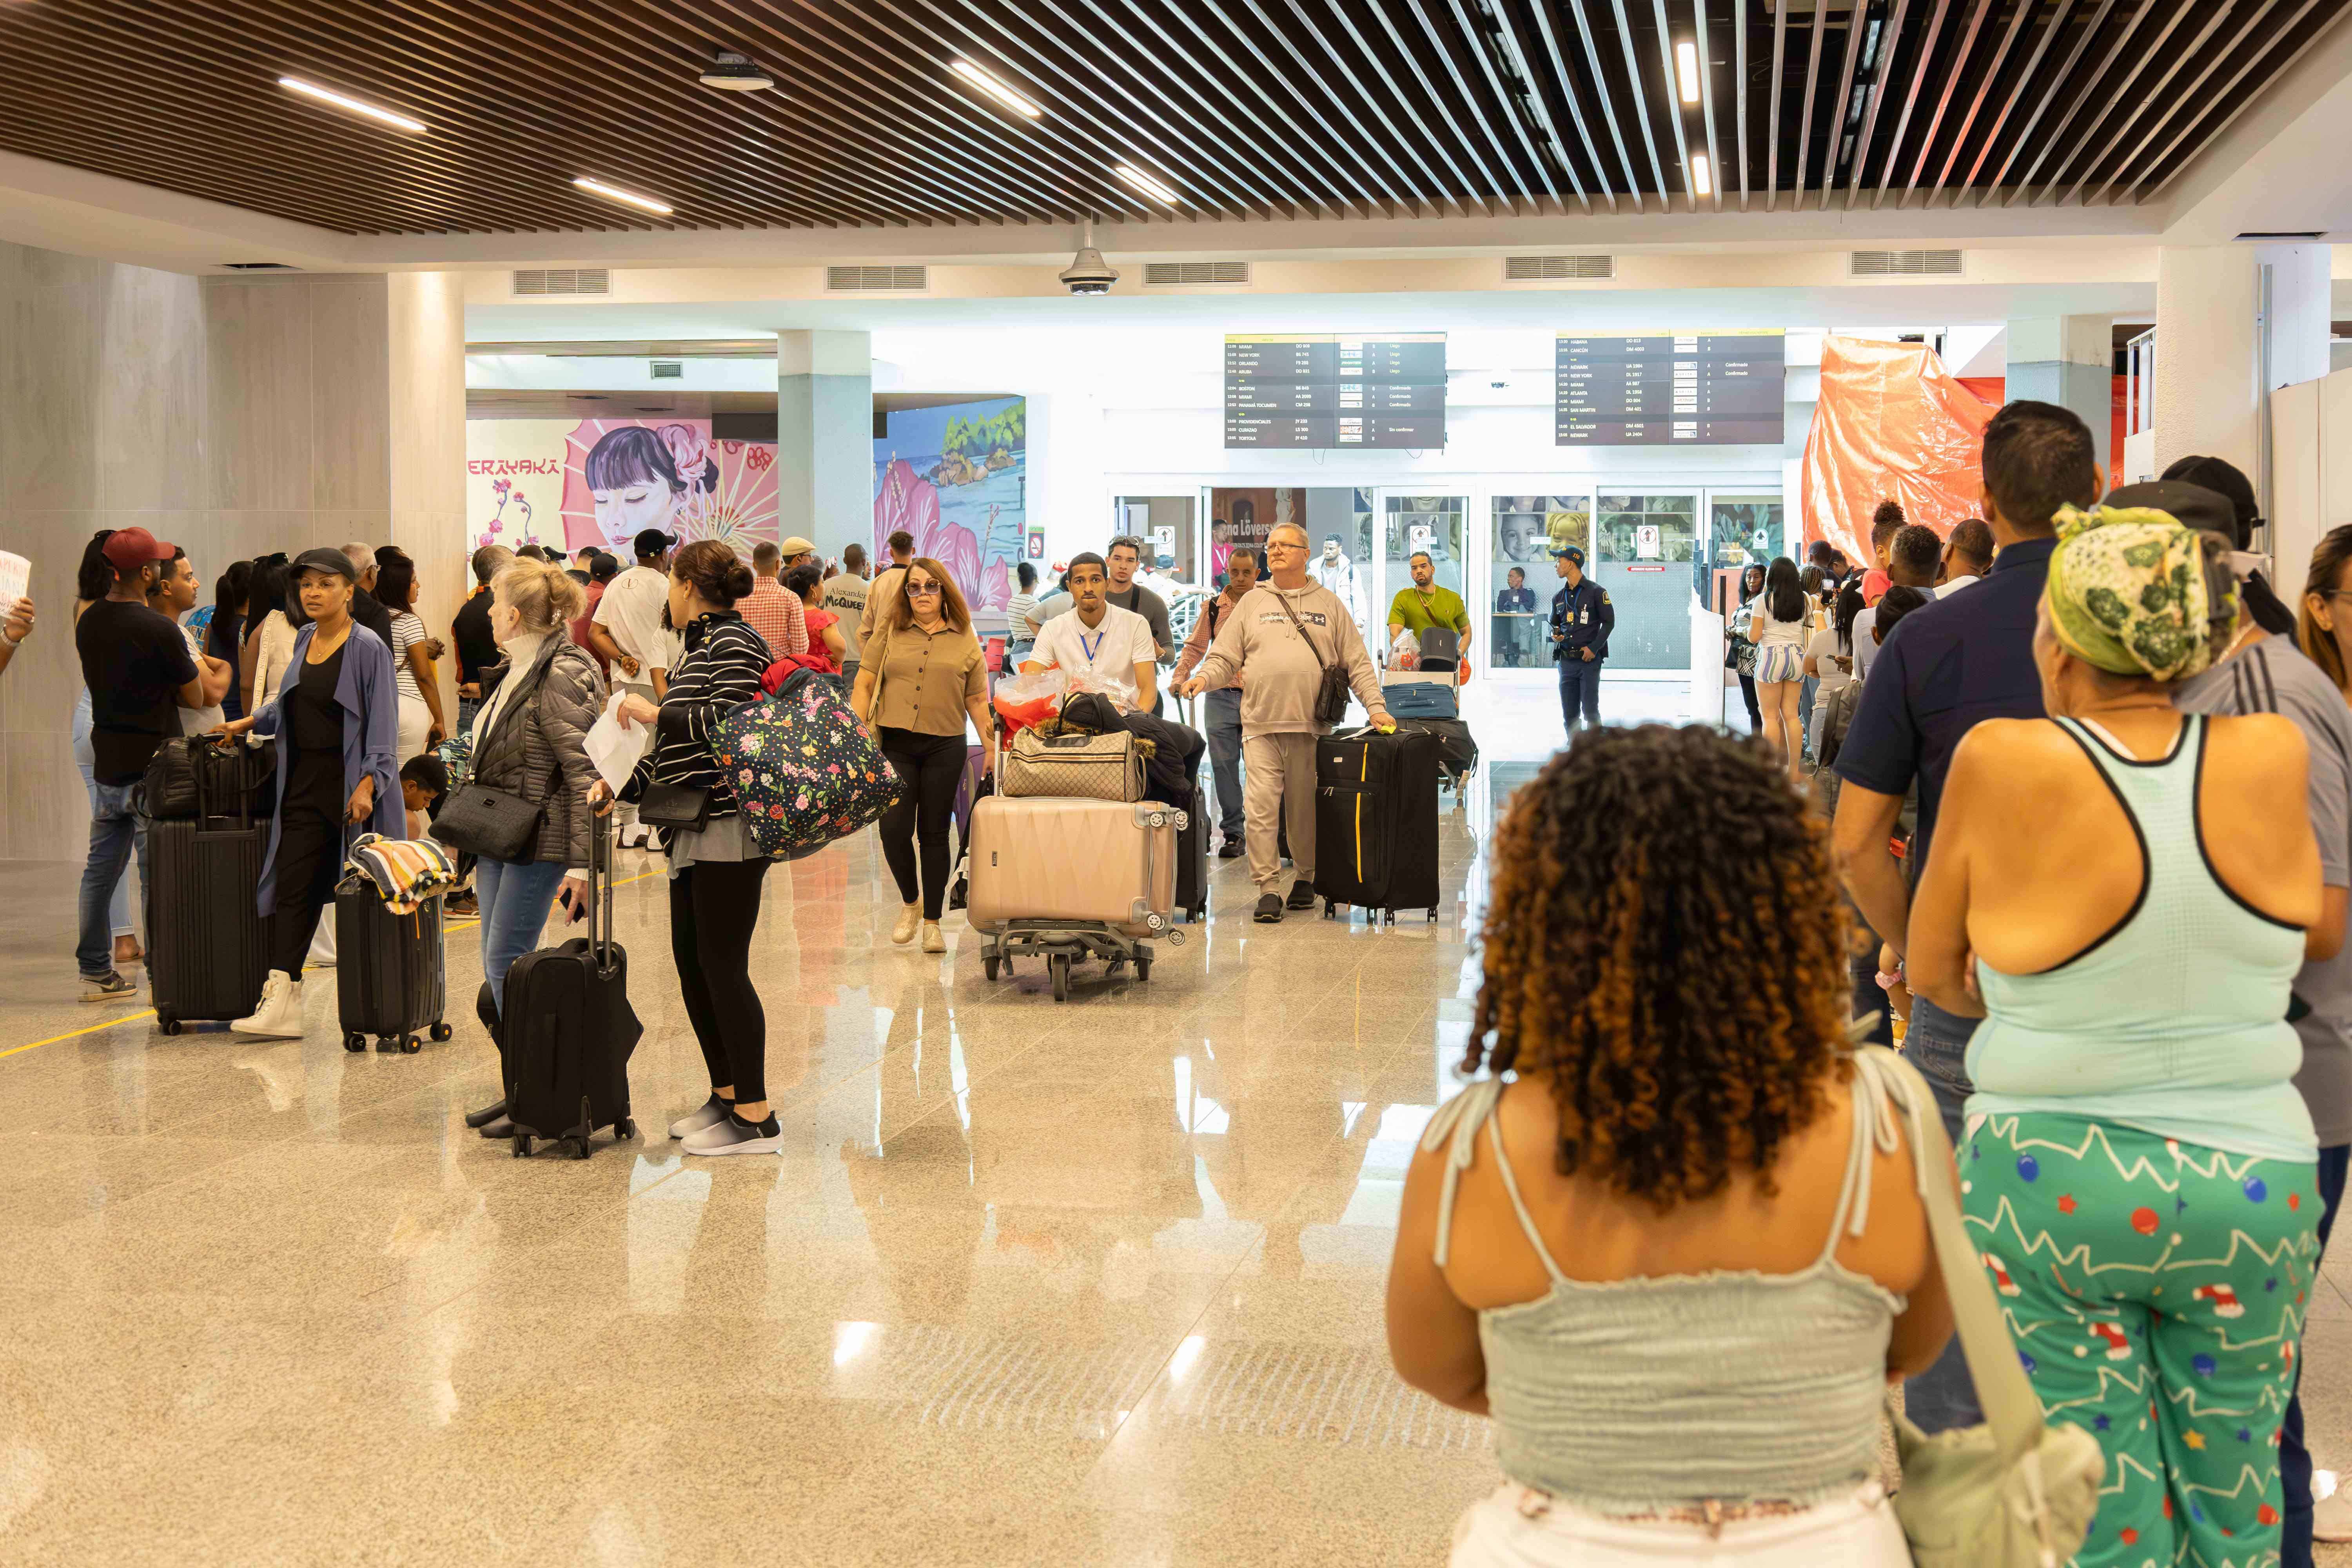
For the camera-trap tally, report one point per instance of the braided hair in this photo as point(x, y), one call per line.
point(1665, 944)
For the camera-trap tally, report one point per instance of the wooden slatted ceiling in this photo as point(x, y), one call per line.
point(1247, 108)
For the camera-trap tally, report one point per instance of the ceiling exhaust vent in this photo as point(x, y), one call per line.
point(1194, 274)
point(1557, 269)
point(2277, 236)
point(1903, 264)
point(563, 281)
point(667, 369)
point(259, 266)
point(877, 280)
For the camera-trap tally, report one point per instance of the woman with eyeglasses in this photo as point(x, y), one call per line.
point(922, 686)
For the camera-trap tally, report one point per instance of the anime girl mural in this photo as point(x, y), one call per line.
point(626, 478)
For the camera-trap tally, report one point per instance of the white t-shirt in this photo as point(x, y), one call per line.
point(845, 595)
point(1109, 652)
point(631, 610)
point(1954, 585)
point(1764, 631)
point(197, 720)
point(1865, 646)
point(1822, 650)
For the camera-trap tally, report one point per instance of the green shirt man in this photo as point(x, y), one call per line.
point(1425, 604)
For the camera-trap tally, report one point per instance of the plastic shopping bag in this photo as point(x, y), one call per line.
point(1024, 701)
point(1405, 652)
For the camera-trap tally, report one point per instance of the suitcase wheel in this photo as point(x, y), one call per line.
point(625, 1128)
point(580, 1148)
point(988, 967)
point(521, 1145)
point(411, 1044)
point(354, 1041)
point(1432, 917)
point(1142, 967)
point(168, 1024)
point(441, 1032)
point(1057, 965)
point(1388, 917)
point(1330, 908)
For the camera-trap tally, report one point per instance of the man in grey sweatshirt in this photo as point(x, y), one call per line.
point(1284, 632)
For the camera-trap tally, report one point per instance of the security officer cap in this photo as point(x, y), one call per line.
point(1571, 552)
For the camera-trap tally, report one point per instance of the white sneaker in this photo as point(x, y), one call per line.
point(709, 1113)
point(932, 941)
point(908, 919)
point(280, 1016)
point(2331, 1519)
point(730, 1134)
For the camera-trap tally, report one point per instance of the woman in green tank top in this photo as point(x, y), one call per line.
point(2121, 891)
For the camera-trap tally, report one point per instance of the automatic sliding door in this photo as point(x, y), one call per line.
point(1646, 555)
point(1522, 578)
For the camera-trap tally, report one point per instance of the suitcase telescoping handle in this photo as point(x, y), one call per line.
point(600, 891)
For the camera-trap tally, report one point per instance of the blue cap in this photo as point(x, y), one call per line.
point(1567, 553)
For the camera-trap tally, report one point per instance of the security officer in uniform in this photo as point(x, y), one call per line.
point(1581, 620)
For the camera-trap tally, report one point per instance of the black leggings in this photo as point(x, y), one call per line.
point(1754, 712)
point(713, 907)
point(309, 863)
point(931, 767)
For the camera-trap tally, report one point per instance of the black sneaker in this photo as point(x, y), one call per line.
point(109, 986)
point(733, 1135)
point(1302, 895)
point(1269, 910)
point(1231, 849)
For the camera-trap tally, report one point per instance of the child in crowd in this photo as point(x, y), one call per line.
point(424, 785)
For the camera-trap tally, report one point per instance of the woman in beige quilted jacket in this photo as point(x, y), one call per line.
point(529, 740)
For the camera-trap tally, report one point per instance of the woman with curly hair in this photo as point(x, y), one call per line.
point(1678, 1253)
point(2120, 892)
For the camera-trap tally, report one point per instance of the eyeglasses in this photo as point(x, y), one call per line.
point(922, 589)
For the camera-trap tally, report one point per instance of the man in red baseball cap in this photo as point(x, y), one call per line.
point(139, 676)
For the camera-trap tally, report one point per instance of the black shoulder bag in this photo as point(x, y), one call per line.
point(1331, 696)
point(490, 824)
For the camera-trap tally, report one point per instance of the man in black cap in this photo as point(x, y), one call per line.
point(2245, 515)
point(1581, 620)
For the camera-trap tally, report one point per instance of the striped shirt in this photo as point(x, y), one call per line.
point(719, 672)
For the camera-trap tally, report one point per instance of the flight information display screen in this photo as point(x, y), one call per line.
point(1669, 389)
point(1324, 390)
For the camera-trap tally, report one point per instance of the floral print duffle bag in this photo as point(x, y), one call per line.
point(805, 771)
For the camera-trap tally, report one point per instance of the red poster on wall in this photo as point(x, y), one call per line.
point(1891, 425)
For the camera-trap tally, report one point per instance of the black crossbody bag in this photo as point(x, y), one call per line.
point(1331, 695)
point(490, 824)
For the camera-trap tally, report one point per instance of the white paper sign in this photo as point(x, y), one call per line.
point(15, 580)
point(1645, 541)
point(615, 747)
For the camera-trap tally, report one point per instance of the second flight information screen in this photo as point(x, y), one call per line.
point(1324, 390)
point(1669, 389)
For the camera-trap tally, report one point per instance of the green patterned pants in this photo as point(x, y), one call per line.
point(2156, 1290)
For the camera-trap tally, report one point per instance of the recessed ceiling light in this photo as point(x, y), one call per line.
point(351, 105)
point(1146, 184)
point(1702, 177)
point(731, 72)
point(996, 88)
point(1686, 70)
point(615, 193)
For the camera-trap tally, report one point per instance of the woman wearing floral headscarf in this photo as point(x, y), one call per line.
point(2120, 892)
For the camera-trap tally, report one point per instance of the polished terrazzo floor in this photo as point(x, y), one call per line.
point(1089, 1283)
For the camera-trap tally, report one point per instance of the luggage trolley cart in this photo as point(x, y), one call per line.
point(1064, 940)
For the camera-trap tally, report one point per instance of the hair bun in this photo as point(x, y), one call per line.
point(739, 582)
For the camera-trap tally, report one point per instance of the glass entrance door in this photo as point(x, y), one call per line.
point(1515, 601)
point(1412, 521)
point(1645, 557)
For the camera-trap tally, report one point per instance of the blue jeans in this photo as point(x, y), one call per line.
point(514, 897)
point(87, 761)
point(115, 831)
point(1222, 716)
point(2295, 1459)
point(1943, 1396)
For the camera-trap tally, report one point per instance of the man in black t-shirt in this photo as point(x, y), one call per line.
point(137, 667)
point(366, 608)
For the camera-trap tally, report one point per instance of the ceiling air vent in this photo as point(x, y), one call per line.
point(877, 280)
point(667, 369)
point(564, 280)
point(1557, 269)
point(1194, 274)
point(1903, 264)
point(259, 266)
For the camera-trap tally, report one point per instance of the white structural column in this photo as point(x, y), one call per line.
point(825, 437)
point(2233, 323)
point(2068, 361)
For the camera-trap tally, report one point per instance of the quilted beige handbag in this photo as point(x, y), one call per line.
point(2020, 1490)
point(1075, 766)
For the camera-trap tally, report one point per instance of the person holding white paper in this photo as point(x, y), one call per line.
point(531, 741)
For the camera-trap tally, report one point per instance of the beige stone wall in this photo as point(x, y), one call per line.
point(231, 416)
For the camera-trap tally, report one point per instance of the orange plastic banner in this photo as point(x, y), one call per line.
point(1891, 425)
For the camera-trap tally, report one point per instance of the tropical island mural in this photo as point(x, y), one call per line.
point(955, 476)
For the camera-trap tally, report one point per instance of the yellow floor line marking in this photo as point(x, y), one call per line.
point(134, 1017)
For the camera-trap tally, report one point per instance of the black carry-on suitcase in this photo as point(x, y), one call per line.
point(207, 946)
point(391, 970)
point(1376, 821)
point(570, 1030)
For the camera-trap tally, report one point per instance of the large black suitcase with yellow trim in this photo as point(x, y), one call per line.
point(1376, 821)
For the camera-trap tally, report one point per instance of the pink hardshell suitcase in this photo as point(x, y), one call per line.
point(1053, 858)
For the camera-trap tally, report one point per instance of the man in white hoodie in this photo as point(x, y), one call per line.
point(1284, 632)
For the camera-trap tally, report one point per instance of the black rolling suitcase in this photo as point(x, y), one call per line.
point(391, 970)
point(207, 948)
point(1457, 753)
point(1376, 821)
point(569, 1029)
